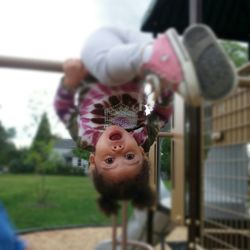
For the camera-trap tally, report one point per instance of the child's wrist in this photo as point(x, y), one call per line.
point(67, 85)
point(70, 83)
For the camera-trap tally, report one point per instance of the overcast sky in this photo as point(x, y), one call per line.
point(54, 30)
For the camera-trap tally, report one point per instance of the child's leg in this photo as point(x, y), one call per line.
point(114, 55)
point(197, 67)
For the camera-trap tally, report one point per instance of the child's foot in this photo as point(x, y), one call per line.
point(197, 70)
point(215, 72)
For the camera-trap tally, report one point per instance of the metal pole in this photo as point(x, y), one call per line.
point(36, 64)
point(195, 11)
point(114, 231)
point(192, 147)
point(30, 64)
point(124, 224)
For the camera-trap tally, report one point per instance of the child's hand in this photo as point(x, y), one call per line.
point(74, 72)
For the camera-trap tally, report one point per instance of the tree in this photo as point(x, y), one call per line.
point(39, 156)
point(43, 133)
point(81, 153)
point(19, 163)
point(236, 51)
point(41, 145)
point(7, 149)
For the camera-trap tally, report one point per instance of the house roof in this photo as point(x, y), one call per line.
point(65, 144)
point(230, 19)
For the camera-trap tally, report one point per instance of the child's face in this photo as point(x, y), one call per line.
point(117, 155)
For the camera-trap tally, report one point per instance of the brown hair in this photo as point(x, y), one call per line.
point(137, 190)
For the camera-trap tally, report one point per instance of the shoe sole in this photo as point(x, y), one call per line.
point(215, 71)
point(189, 88)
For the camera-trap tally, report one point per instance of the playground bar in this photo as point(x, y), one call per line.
point(56, 66)
point(31, 64)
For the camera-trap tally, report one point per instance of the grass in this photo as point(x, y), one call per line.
point(70, 201)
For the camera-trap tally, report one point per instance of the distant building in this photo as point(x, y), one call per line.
point(64, 148)
point(4, 169)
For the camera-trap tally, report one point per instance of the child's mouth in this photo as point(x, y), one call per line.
point(115, 136)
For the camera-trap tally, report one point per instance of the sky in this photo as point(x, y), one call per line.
point(51, 30)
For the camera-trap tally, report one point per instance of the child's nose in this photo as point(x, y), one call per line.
point(117, 147)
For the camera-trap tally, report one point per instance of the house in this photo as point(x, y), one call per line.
point(64, 148)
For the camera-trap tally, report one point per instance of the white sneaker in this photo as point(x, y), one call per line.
point(196, 67)
point(215, 71)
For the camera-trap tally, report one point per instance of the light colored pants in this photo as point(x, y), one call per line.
point(114, 55)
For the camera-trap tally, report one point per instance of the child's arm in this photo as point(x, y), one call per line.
point(163, 110)
point(74, 73)
point(160, 115)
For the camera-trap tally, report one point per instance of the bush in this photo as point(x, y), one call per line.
point(50, 167)
point(41, 160)
point(65, 169)
point(18, 166)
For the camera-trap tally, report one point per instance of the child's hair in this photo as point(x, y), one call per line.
point(137, 190)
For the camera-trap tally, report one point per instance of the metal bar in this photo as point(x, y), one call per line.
point(248, 48)
point(30, 64)
point(150, 226)
point(195, 11)
point(170, 135)
point(242, 232)
point(229, 211)
point(36, 64)
point(192, 148)
point(114, 231)
point(222, 242)
point(124, 224)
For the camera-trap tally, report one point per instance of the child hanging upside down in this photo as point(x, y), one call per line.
point(109, 118)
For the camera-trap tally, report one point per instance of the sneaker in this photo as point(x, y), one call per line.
point(171, 63)
point(215, 71)
point(187, 66)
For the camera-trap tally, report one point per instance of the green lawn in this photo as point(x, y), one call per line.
point(71, 201)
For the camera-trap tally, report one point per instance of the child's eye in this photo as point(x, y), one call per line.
point(109, 160)
point(130, 156)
